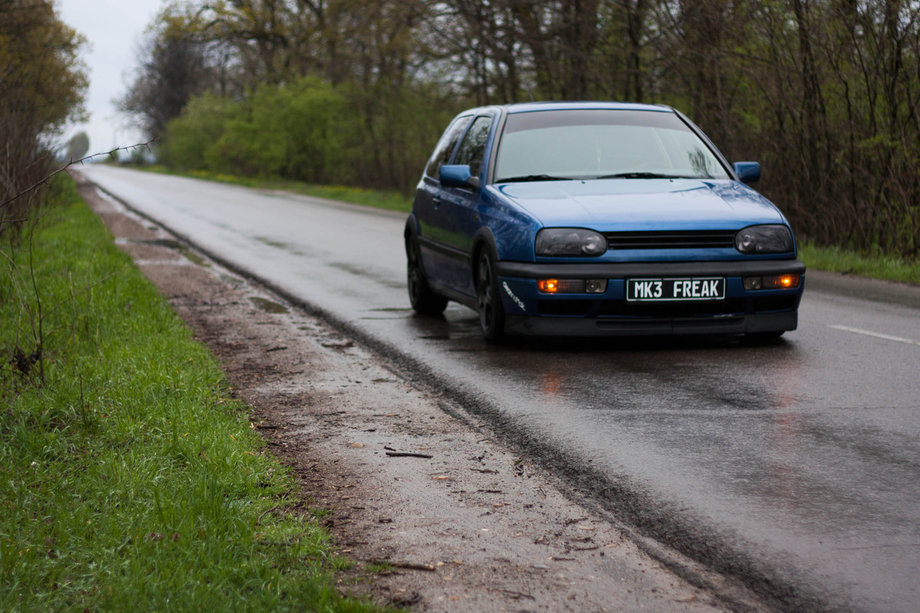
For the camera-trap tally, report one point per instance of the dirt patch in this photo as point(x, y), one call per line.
point(436, 515)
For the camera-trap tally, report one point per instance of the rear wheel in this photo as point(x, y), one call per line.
point(489, 300)
point(424, 301)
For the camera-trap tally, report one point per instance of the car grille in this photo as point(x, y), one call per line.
point(693, 239)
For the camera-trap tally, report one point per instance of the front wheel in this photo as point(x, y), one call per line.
point(424, 301)
point(763, 338)
point(491, 311)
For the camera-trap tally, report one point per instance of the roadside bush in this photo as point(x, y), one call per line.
point(190, 137)
point(309, 130)
point(295, 131)
point(397, 126)
point(312, 114)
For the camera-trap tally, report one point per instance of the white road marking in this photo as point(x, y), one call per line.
point(887, 337)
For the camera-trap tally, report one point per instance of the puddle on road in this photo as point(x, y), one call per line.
point(169, 243)
point(175, 245)
point(268, 306)
point(390, 310)
point(273, 243)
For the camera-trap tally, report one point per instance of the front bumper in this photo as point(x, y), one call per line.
point(742, 311)
point(596, 326)
point(622, 270)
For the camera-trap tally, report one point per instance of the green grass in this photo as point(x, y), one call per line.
point(129, 476)
point(878, 266)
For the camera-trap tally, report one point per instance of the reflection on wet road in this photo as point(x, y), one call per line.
point(795, 465)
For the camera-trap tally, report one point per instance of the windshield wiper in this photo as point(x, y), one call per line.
point(643, 175)
point(525, 178)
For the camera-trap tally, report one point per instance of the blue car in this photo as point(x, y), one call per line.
point(597, 218)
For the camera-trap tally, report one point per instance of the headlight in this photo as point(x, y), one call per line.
point(764, 239)
point(570, 241)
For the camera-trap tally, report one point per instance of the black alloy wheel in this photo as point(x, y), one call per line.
point(763, 338)
point(424, 301)
point(489, 300)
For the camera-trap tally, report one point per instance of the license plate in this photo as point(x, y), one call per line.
point(697, 288)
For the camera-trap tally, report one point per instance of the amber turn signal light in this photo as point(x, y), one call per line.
point(777, 282)
point(781, 282)
point(572, 286)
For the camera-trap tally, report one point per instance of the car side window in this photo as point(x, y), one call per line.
point(446, 145)
point(473, 146)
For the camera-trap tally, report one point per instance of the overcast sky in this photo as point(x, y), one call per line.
point(113, 29)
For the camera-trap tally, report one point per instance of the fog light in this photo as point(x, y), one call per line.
point(753, 283)
point(596, 286)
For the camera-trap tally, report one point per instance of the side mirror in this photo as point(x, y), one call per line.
point(458, 175)
point(748, 172)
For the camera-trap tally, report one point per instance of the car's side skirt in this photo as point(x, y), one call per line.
point(452, 294)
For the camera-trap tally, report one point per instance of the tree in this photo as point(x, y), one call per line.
point(77, 147)
point(41, 87)
point(172, 69)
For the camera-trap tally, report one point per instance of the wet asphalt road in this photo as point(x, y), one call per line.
point(795, 466)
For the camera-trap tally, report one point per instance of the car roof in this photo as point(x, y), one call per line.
point(528, 107)
point(574, 105)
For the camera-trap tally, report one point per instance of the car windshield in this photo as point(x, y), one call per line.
point(596, 144)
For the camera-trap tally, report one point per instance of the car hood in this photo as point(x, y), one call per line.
point(642, 204)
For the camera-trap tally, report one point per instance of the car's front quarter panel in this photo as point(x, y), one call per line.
point(513, 228)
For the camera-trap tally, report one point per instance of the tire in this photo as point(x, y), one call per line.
point(489, 300)
point(424, 301)
point(763, 338)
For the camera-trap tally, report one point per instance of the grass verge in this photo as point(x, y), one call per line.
point(879, 266)
point(129, 476)
point(392, 201)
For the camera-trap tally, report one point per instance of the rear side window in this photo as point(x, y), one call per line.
point(473, 147)
point(446, 145)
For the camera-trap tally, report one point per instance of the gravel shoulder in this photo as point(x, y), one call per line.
point(435, 513)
